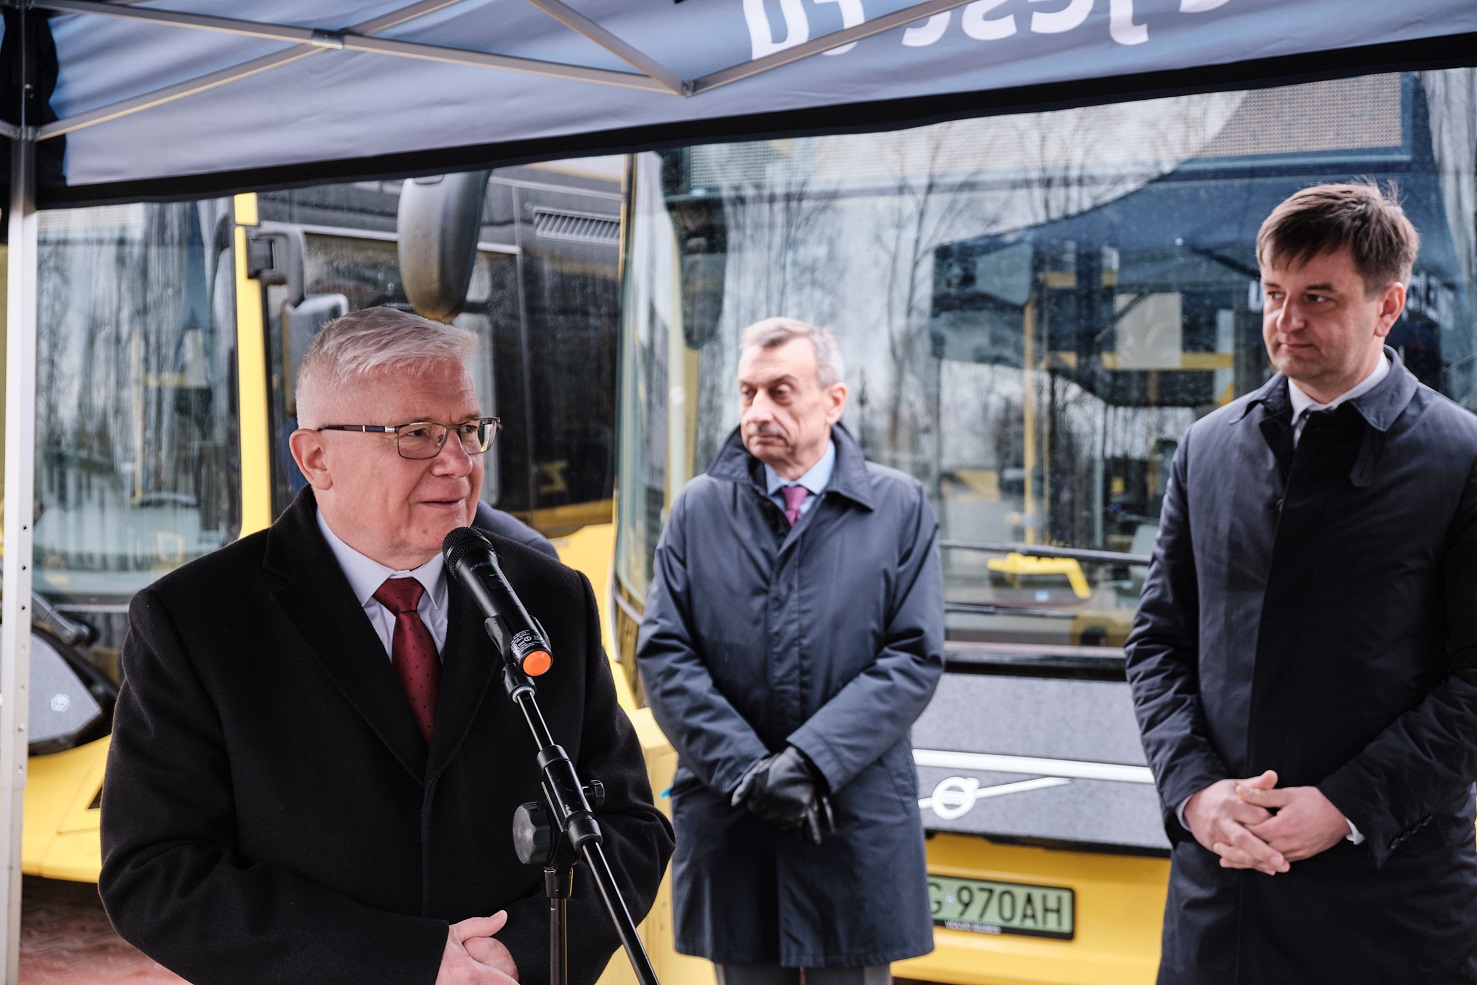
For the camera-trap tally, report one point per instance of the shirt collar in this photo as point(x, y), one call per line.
point(366, 575)
point(1302, 402)
point(816, 479)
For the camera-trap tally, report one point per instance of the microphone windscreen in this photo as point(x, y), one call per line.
point(463, 541)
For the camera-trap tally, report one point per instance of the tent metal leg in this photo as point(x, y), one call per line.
point(20, 475)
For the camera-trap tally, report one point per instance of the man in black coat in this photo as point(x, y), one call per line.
point(307, 784)
point(1304, 661)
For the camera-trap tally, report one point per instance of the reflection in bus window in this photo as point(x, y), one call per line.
point(544, 297)
point(136, 460)
point(1034, 309)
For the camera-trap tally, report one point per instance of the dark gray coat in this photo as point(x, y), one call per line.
point(1315, 612)
point(828, 636)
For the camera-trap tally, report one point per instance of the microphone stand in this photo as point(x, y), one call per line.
point(556, 833)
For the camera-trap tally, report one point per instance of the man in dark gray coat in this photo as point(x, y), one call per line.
point(793, 633)
point(1304, 661)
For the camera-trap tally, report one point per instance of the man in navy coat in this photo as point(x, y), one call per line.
point(310, 782)
point(793, 632)
point(1304, 660)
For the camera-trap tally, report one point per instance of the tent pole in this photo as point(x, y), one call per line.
point(19, 480)
point(20, 477)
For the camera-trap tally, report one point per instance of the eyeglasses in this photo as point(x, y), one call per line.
point(424, 439)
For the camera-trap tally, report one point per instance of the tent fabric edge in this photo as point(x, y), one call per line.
point(1449, 51)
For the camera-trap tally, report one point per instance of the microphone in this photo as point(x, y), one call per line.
point(470, 558)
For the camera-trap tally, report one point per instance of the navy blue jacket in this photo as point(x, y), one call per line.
point(1315, 612)
point(507, 525)
point(827, 636)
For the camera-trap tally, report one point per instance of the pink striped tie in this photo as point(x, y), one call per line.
point(794, 496)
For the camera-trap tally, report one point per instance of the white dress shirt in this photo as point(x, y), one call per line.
point(1303, 405)
point(366, 575)
point(815, 479)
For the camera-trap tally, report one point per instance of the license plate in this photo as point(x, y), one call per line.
point(988, 907)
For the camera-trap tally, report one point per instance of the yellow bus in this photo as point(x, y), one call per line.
point(1034, 307)
point(169, 336)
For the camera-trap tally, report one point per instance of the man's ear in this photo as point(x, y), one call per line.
point(309, 453)
point(1392, 302)
point(836, 397)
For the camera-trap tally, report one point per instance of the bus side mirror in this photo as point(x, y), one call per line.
point(438, 225)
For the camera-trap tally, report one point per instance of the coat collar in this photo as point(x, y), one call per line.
point(733, 463)
point(1379, 407)
point(317, 599)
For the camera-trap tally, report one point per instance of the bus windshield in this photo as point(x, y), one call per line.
point(1034, 308)
point(137, 455)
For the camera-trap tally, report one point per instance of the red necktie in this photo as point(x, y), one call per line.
point(412, 650)
point(794, 496)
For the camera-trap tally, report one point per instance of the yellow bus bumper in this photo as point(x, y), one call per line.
point(59, 836)
point(1119, 913)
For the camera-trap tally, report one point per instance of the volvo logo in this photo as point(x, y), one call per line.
point(955, 796)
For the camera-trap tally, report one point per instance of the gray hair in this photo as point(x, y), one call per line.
point(363, 343)
point(830, 365)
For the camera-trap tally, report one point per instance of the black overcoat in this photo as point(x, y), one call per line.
point(1314, 611)
point(271, 814)
point(829, 636)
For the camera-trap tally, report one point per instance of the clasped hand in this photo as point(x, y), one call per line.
point(786, 790)
point(474, 957)
point(1254, 824)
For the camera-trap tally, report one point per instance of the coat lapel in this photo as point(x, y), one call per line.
point(320, 605)
point(733, 463)
point(1380, 408)
point(1271, 408)
point(469, 666)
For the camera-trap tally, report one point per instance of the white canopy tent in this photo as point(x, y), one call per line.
point(122, 101)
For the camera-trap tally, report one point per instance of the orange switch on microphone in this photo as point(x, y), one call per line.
point(536, 663)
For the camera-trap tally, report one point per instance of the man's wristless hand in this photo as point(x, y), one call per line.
point(786, 790)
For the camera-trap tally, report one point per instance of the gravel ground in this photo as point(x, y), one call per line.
point(66, 940)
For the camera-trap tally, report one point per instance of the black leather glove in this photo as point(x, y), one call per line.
point(786, 790)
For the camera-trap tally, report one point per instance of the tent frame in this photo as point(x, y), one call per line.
point(650, 75)
point(20, 476)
